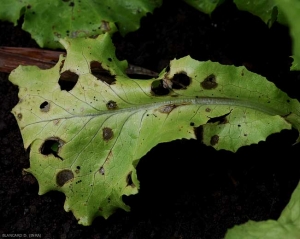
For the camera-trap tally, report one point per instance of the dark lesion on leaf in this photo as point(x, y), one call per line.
point(51, 146)
point(67, 80)
point(159, 88)
point(45, 106)
point(19, 116)
point(214, 140)
point(210, 82)
point(180, 81)
point(107, 133)
point(101, 74)
point(102, 170)
point(111, 105)
point(63, 177)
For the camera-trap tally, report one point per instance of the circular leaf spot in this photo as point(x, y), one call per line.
point(210, 82)
point(214, 140)
point(107, 133)
point(180, 81)
point(45, 106)
point(63, 177)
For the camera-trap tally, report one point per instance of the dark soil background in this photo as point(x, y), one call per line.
point(188, 190)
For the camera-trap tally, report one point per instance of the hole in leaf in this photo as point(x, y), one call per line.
point(52, 146)
point(180, 81)
point(214, 140)
point(129, 180)
point(67, 80)
point(221, 119)
point(45, 106)
point(157, 88)
point(199, 132)
point(111, 105)
point(210, 82)
point(63, 177)
point(107, 133)
point(100, 73)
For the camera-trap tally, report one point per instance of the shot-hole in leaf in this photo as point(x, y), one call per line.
point(67, 80)
point(100, 73)
point(45, 106)
point(180, 81)
point(51, 146)
point(158, 88)
point(107, 128)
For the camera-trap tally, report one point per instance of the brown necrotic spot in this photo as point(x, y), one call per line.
point(159, 88)
point(63, 177)
point(105, 26)
point(111, 105)
point(214, 140)
point(100, 73)
point(19, 116)
point(210, 82)
point(101, 170)
point(167, 108)
point(180, 81)
point(45, 106)
point(61, 65)
point(52, 146)
point(107, 133)
point(67, 80)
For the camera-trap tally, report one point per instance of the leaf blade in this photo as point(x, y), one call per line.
point(103, 129)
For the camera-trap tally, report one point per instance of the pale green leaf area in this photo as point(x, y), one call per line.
point(295, 65)
point(266, 10)
point(48, 21)
point(206, 6)
point(291, 11)
point(286, 227)
point(86, 141)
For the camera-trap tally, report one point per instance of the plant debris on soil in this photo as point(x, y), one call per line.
point(188, 190)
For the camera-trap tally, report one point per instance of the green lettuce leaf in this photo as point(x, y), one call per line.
point(87, 123)
point(266, 10)
point(48, 21)
point(206, 6)
point(291, 11)
point(287, 226)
